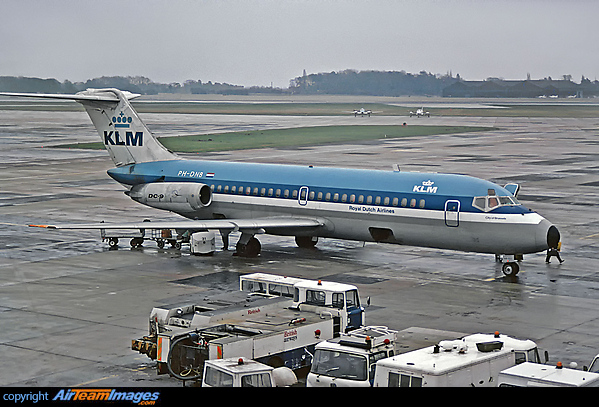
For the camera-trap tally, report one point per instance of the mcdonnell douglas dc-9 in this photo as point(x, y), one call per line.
point(444, 211)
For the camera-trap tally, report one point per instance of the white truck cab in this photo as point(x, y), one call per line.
point(350, 360)
point(341, 301)
point(241, 372)
point(536, 375)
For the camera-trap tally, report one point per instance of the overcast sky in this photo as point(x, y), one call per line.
point(259, 42)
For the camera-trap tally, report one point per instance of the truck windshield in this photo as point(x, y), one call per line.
point(256, 380)
point(339, 364)
point(216, 378)
point(531, 355)
point(352, 298)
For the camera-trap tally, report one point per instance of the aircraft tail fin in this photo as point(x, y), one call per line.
point(125, 136)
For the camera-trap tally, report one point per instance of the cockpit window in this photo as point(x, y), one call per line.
point(488, 203)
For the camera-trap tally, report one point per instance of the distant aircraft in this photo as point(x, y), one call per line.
point(362, 112)
point(436, 210)
point(420, 112)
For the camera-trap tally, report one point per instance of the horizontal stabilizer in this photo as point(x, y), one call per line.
point(79, 97)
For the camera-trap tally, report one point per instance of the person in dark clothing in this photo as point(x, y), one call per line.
point(553, 251)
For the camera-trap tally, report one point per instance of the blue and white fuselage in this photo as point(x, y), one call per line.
point(419, 209)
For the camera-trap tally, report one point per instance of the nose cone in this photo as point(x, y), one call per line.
point(553, 236)
point(547, 235)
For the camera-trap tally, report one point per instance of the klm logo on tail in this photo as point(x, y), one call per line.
point(113, 138)
point(131, 139)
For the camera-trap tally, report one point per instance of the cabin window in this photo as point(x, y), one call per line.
point(263, 191)
point(361, 199)
point(212, 187)
point(404, 202)
point(421, 204)
point(369, 200)
point(270, 191)
point(352, 198)
point(319, 197)
point(335, 197)
point(233, 189)
point(219, 188)
point(312, 195)
point(412, 203)
point(248, 191)
point(240, 190)
point(327, 196)
point(303, 194)
point(344, 198)
point(488, 203)
point(479, 202)
point(377, 201)
point(386, 201)
point(226, 190)
point(286, 193)
point(314, 297)
point(294, 194)
point(395, 201)
point(255, 191)
point(278, 193)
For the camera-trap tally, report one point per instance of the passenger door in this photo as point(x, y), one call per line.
point(452, 213)
point(303, 196)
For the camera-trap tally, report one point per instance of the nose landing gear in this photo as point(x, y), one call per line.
point(510, 269)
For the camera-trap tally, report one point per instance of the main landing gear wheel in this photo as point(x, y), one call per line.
point(306, 242)
point(510, 269)
point(251, 249)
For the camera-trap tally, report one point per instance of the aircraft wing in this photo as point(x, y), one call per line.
point(233, 225)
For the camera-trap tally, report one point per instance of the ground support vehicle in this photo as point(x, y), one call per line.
point(341, 301)
point(535, 375)
point(451, 363)
point(279, 337)
point(240, 372)
point(350, 360)
point(268, 326)
point(137, 238)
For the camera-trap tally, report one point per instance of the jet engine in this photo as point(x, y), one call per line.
point(180, 197)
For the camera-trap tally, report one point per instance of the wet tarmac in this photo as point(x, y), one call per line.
point(70, 306)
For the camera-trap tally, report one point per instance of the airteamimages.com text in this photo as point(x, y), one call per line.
point(142, 398)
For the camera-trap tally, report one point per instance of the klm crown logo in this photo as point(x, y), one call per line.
point(122, 121)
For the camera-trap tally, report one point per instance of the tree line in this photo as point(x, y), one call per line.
point(347, 82)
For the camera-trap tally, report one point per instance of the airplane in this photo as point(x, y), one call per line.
point(420, 112)
point(362, 112)
point(445, 211)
